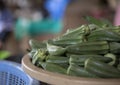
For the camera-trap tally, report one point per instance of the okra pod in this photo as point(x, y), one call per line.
point(37, 45)
point(98, 47)
point(55, 50)
point(103, 34)
point(114, 47)
point(101, 69)
point(53, 68)
point(80, 59)
point(75, 70)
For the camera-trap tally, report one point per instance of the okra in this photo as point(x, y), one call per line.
point(114, 47)
point(98, 47)
point(55, 50)
point(34, 44)
point(67, 42)
point(57, 59)
point(53, 68)
point(75, 32)
point(80, 59)
point(103, 34)
point(39, 55)
point(101, 23)
point(113, 57)
point(118, 67)
point(75, 70)
point(32, 52)
point(101, 69)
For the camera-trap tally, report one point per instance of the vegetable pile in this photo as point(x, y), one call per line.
point(92, 50)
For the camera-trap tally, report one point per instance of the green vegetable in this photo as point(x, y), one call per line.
point(39, 55)
point(75, 70)
point(80, 59)
point(32, 52)
point(57, 59)
point(103, 34)
point(98, 47)
point(100, 23)
point(101, 69)
point(112, 56)
point(91, 50)
point(34, 44)
point(53, 68)
point(114, 47)
point(67, 42)
point(82, 30)
point(55, 50)
point(118, 67)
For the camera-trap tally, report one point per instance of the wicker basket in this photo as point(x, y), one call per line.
point(59, 79)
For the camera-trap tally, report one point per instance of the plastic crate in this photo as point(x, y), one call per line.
point(11, 73)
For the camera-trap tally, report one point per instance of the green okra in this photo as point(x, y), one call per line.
point(55, 50)
point(75, 32)
point(118, 67)
point(53, 68)
point(34, 44)
point(112, 56)
point(97, 47)
point(75, 70)
point(57, 59)
point(114, 47)
point(39, 55)
point(98, 22)
point(80, 59)
point(67, 42)
point(101, 69)
point(32, 52)
point(103, 34)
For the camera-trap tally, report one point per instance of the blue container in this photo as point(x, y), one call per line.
point(11, 73)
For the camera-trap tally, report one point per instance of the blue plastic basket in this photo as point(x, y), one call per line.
point(11, 73)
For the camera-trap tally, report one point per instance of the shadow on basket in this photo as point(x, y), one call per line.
point(11, 73)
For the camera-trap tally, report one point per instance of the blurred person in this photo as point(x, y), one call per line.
point(6, 25)
point(117, 13)
point(45, 17)
point(43, 20)
point(114, 5)
point(0, 44)
point(6, 22)
point(103, 9)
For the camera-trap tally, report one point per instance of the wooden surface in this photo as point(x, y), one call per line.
point(59, 79)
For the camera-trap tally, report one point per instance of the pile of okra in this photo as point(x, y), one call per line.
point(91, 50)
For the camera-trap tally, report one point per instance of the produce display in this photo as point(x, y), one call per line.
point(91, 50)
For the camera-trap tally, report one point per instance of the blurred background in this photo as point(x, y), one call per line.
point(22, 20)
